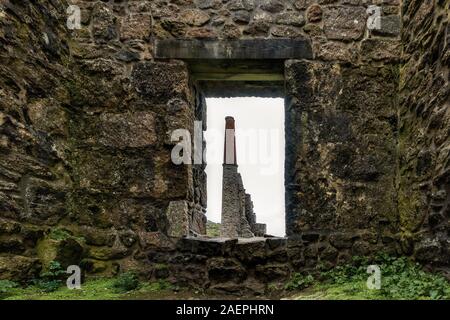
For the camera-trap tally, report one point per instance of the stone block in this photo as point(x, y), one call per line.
point(178, 219)
point(381, 50)
point(44, 202)
point(152, 240)
point(361, 248)
point(194, 17)
point(428, 250)
point(68, 251)
point(314, 13)
point(197, 222)
point(107, 253)
point(11, 244)
point(234, 5)
point(9, 226)
point(248, 49)
point(222, 270)
point(121, 172)
point(136, 27)
point(19, 268)
point(329, 254)
point(344, 23)
point(334, 51)
point(272, 6)
point(286, 32)
point(47, 116)
point(389, 26)
point(342, 240)
point(204, 246)
point(291, 19)
point(250, 252)
point(133, 130)
point(272, 272)
point(276, 243)
point(159, 82)
point(96, 237)
point(104, 26)
point(208, 4)
point(259, 229)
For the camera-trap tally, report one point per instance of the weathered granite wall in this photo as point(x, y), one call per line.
point(341, 132)
point(234, 220)
point(424, 163)
point(86, 116)
point(258, 229)
point(231, 215)
point(238, 19)
point(238, 218)
point(231, 266)
point(341, 127)
point(35, 174)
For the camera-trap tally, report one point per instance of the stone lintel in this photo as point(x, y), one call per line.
point(228, 89)
point(271, 49)
point(237, 71)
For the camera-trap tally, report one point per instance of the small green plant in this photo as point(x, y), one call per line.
point(6, 288)
point(400, 278)
point(51, 280)
point(125, 282)
point(356, 271)
point(299, 281)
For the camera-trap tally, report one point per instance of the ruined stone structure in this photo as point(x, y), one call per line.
point(238, 218)
point(86, 117)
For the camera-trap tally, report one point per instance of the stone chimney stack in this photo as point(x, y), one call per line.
point(229, 154)
point(234, 214)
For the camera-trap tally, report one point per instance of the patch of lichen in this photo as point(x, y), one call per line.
point(60, 245)
point(59, 234)
point(410, 210)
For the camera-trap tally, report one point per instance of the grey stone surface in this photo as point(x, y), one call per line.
point(231, 216)
point(178, 219)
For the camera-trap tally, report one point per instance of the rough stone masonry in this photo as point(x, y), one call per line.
point(238, 218)
point(86, 117)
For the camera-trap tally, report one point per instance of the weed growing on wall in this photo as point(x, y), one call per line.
point(125, 282)
point(51, 280)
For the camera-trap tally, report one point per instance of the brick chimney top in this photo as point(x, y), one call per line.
point(230, 123)
point(229, 154)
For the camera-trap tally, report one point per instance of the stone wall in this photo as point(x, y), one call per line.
point(234, 210)
point(35, 174)
point(341, 131)
point(232, 266)
point(128, 105)
point(258, 229)
point(424, 164)
point(230, 223)
point(237, 19)
point(341, 127)
point(86, 115)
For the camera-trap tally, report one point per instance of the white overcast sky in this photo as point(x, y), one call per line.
point(260, 156)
